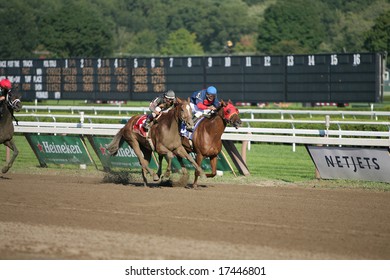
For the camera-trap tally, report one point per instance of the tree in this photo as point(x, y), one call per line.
point(143, 43)
point(75, 30)
point(181, 42)
point(292, 23)
point(18, 32)
point(378, 38)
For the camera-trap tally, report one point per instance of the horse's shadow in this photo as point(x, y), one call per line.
point(126, 178)
point(5, 178)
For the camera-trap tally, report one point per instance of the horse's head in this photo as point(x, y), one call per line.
point(13, 102)
point(185, 112)
point(231, 114)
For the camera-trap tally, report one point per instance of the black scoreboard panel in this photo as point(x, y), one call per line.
point(264, 79)
point(185, 75)
point(353, 77)
point(337, 78)
point(308, 78)
point(225, 73)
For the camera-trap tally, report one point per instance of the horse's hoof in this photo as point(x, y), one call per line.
point(156, 177)
point(5, 169)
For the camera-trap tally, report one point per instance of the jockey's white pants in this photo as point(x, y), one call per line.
point(198, 112)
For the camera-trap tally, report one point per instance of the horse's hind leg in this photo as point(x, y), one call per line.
point(144, 157)
point(10, 144)
point(213, 163)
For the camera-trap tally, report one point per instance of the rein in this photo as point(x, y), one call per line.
point(12, 104)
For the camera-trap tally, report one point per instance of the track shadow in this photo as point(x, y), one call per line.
point(126, 178)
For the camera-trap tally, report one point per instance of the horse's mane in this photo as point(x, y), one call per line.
point(219, 111)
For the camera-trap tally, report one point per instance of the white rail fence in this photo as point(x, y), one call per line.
point(271, 135)
point(131, 110)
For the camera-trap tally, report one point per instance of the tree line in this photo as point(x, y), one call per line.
point(120, 28)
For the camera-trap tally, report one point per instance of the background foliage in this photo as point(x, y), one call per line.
point(108, 28)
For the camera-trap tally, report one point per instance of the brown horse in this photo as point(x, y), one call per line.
point(8, 106)
point(165, 137)
point(206, 138)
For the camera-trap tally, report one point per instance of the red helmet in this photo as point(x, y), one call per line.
point(5, 83)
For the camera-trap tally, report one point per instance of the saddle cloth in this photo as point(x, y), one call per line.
point(188, 134)
point(138, 126)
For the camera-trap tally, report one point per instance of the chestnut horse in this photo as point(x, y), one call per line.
point(165, 137)
point(11, 104)
point(206, 138)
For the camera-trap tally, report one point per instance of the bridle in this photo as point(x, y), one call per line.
point(229, 111)
point(14, 104)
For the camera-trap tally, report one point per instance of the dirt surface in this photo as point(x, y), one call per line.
point(82, 217)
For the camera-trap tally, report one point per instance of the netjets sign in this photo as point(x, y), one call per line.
point(351, 163)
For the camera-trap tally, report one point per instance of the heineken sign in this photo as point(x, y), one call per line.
point(125, 157)
point(59, 149)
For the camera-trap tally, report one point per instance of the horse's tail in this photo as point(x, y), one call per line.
point(113, 147)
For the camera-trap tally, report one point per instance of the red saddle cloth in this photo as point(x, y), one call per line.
point(138, 126)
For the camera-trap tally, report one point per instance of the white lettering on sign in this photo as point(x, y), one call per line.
point(210, 62)
point(248, 61)
point(228, 61)
point(267, 61)
point(334, 60)
point(52, 148)
point(42, 95)
point(290, 60)
point(351, 163)
point(27, 63)
point(311, 60)
point(171, 59)
point(356, 59)
point(49, 63)
point(125, 152)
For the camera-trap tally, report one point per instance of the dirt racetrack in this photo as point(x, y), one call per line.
point(81, 217)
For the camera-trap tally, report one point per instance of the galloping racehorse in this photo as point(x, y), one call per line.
point(206, 138)
point(165, 137)
point(11, 104)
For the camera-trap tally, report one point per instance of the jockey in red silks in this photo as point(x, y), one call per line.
point(204, 101)
point(5, 89)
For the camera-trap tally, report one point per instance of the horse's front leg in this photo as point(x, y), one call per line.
point(182, 153)
point(10, 144)
point(199, 158)
point(167, 173)
point(169, 167)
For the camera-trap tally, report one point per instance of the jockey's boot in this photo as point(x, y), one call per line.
point(1, 109)
point(146, 124)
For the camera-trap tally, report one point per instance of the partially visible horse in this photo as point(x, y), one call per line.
point(165, 137)
point(206, 138)
point(8, 106)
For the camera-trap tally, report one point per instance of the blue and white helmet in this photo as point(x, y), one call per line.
point(211, 90)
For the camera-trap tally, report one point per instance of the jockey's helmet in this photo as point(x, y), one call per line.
point(170, 94)
point(211, 90)
point(5, 84)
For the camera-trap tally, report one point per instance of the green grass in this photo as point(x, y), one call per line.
point(266, 163)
